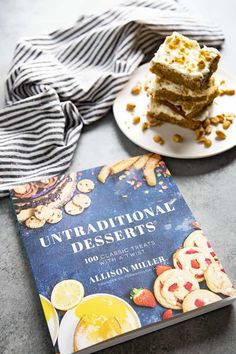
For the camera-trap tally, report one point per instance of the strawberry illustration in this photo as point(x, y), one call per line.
point(188, 286)
point(167, 314)
point(195, 264)
point(143, 297)
point(196, 225)
point(173, 287)
point(199, 303)
point(161, 269)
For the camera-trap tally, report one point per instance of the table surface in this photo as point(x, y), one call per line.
point(208, 186)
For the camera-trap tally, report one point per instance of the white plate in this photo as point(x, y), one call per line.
point(70, 320)
point(51, 318)
point(189, 148)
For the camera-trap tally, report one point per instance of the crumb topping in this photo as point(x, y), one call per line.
point(185, 54)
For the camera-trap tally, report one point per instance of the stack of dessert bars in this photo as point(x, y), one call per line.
point(182, 85)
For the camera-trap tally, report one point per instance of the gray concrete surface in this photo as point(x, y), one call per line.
point(208, 186)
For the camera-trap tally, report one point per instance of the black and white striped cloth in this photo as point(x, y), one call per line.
point(62, 81)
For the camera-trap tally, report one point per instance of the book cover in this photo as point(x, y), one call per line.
point(115, 250)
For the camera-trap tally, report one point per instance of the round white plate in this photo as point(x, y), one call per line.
point(53, 320)
point(189, 149)
point(70, 320)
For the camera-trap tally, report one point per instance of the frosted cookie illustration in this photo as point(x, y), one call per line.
point(193, 259)
point(34, 223)
point(82, 200)
point(199, 298)
point(85, 185)
point(172, 286)
point(72, 209)
point(197, 239)
point(218, 281)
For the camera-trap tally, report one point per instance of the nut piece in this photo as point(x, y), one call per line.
point(202, 140)
point(208, 130)
point(177, 138)
point(206, 122)
point(228, 92)
point(158, 139)
point(154, 122)
point(145, 126)
point(136, 89)
point(221, 118)
point(215, 120)
point(199, 133)
point(226, 124)
point(230, 117)
point(220, 135)
point(207, 143)
point(130, 107)
point(136, 120)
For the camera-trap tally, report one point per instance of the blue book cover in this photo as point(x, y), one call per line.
point(115, 250)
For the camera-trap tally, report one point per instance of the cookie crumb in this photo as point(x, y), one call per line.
point(177, 138)
point(158, 139)
point(130, 107)
point(207, 143)
point(144, 126)
point(136, 120)
point(136, 89)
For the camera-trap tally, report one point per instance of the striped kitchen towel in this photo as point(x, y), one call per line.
point(69, 78)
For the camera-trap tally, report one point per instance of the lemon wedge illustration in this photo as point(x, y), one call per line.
point(51, 318)
point(67, 294)
point(93, 329)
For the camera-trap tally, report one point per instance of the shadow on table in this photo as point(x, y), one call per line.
point(202, 334)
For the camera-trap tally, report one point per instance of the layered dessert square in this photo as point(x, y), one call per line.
point(179, 98)
point(163, 89)
point(182, 61)
point(160, 111)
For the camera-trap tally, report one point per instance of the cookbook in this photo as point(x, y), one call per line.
point(116, 253)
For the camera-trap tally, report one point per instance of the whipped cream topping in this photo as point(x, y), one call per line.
point(185, 55)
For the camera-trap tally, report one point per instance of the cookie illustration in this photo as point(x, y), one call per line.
point(218, 281)
point(82, 200)
point(172, 286)
point(47, 182)
point(193, 259)
point(25, 214)
point(199, 298)
point(25, 190)
point(22, 189)
point(55, 217)
point(73, 209)
point(34, 223)
point(42, 212)
point(85, 185)
point(197, 239)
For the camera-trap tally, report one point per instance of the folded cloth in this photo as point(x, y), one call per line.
point(70, 78)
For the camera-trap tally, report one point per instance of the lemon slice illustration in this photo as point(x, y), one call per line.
point(51, 318)
point(67, 294)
